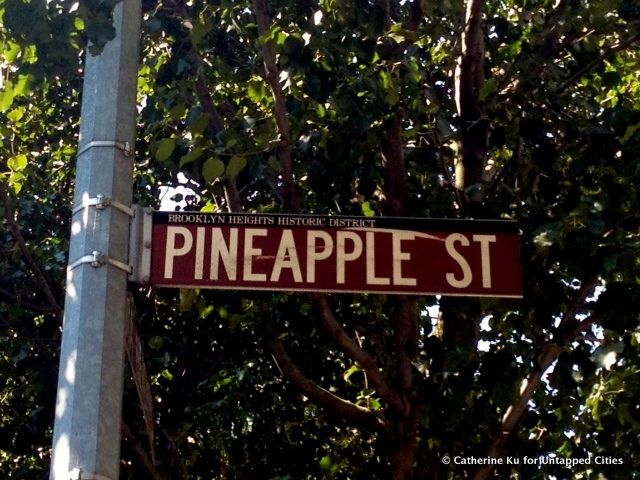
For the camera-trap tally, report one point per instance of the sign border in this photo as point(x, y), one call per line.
point(378, 222)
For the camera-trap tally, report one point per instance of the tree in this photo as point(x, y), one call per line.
point(364, 107)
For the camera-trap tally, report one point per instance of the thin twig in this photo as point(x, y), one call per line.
point(499, 176)
point(20, 301)
point(144, 458)
point(41, 280)
point(320, 396)
point(594, 63)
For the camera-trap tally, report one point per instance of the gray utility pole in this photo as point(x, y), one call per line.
point(86, 440)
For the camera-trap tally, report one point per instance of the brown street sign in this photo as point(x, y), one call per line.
point(336, 254)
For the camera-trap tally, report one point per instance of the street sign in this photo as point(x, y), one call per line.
point(316, 253)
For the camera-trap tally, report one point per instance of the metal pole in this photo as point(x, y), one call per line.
point(86, 439)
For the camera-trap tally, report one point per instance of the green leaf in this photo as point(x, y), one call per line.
point(30, 54)
point(23, 86)
point(156, 343)
point(194, 154)
point(209, 208)
point(16, 114)
point(281, 37)
point(325, 462)
point(629, 132)
point(256, 90)
point(27, 19)
point(177, 112)
point(385, 79)
point(565, 449)
point(11, 53)
point(200, 30)
point(399, 34)
point(165, 149)
point(488, 88)
point(347, 375)
point(78, 23)
point(16, 180)
point(271, 34)
point(17, 163)
point(367, 210)
point(212, 169)
point(236, 165)
point(6, 97)
point(198, 126)
point(222, 383)
point(188, 297)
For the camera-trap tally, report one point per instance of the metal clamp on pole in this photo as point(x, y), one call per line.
point(76, 474)
point(124, 146)
point(101, 202)
point(140, 242)
point(97, 260)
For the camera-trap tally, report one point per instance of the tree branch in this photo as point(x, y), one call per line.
point(357, 354)
point(416, 15)
point(550, 353)
point(469, 79)
point(215, 123)
point(135, 358)
point(406, 335)
point(406, 325)
point(594, 63)
point(506, 168)
point(553, 23)
point(272, 77)
point(214, 127)
point(406, 330)
point(385, 6)
point(395, 193)
point(586, 290)
point(321, 397)
point(14, 298)
point(41, 280)
point(148, 464)
point(395, 183)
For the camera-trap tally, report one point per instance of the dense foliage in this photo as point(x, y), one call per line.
point(492, 109)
